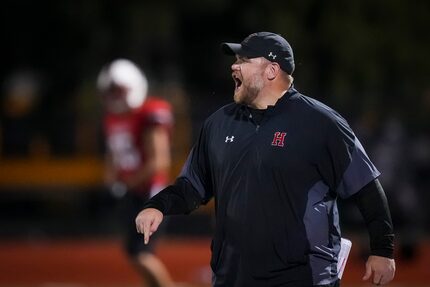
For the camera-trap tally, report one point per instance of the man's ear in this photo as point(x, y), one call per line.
point(273, 70)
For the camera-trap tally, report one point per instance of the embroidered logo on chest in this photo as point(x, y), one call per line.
point(229, 139)
point(278, 139)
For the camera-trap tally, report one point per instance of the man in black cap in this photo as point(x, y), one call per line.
point(275, 161)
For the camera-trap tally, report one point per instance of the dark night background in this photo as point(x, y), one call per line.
point(369, 60)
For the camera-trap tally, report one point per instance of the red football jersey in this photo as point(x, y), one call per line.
point(124, 135)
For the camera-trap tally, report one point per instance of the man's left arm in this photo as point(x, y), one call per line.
point(373, 205)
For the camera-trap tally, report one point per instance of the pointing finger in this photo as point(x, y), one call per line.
point(146, 231)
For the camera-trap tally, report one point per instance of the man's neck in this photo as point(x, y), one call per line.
point(268, 99)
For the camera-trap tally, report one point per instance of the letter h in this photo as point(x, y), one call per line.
point(278, 139)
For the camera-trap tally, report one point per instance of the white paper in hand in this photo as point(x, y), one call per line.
point(345, 247)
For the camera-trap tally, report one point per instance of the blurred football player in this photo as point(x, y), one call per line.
point(137, 135)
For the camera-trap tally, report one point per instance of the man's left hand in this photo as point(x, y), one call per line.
point(383, 269)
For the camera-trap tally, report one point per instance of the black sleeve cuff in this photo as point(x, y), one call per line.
point(179, 198)
point(155, 204)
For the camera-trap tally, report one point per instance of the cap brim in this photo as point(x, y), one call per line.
point(231, 48)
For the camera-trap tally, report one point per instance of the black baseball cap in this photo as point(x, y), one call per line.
point(269, 45)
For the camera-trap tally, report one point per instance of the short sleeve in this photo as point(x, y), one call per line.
point(161, 115)
point(156, 112)
point(344, 165)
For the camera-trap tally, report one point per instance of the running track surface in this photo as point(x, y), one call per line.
point(100, 262)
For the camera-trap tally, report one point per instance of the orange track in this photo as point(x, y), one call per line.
point(101, 262)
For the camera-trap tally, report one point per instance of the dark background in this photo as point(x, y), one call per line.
point(369, 60)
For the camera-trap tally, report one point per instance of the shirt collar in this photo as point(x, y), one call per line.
point(282, 101)
point(277, 108)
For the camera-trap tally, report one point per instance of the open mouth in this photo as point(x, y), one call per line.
point(237, 82)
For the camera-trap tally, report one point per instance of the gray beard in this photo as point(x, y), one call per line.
point(250, 94)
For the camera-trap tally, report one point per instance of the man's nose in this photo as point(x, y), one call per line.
point(235, 67)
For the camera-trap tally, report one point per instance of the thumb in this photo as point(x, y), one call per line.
point(368, 272)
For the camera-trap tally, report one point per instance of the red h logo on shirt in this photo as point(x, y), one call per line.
point(278, 139)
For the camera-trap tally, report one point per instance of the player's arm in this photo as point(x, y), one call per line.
point(372, 203)
point(156, 147)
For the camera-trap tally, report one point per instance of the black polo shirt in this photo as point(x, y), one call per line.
point(275, 185)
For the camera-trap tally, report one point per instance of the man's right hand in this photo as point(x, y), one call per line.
point(147, 222)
